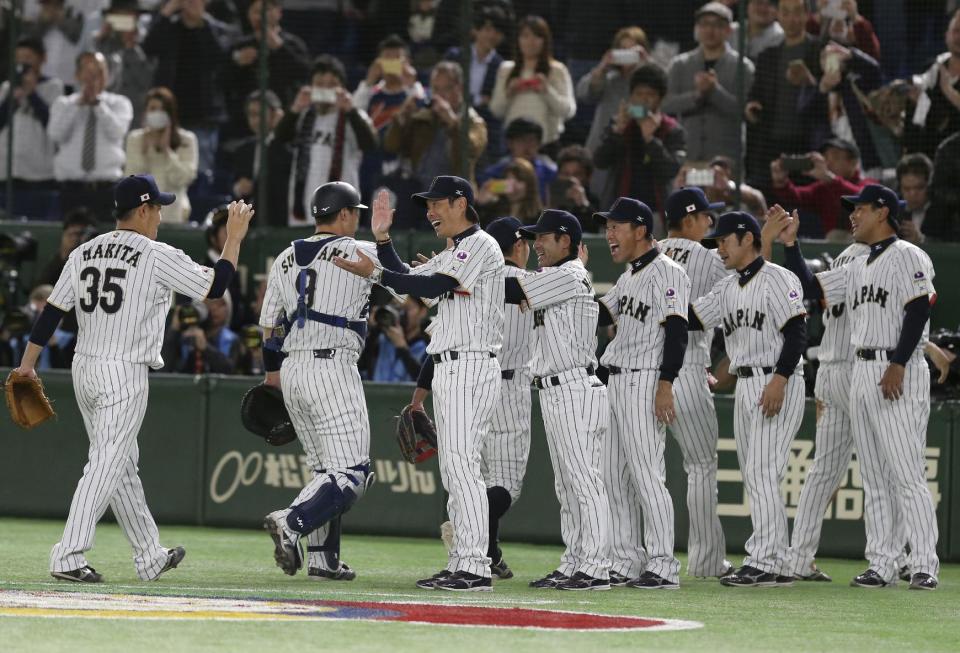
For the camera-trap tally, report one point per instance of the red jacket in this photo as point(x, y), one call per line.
point(822, 198)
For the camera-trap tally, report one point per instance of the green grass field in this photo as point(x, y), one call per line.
point(239, 564)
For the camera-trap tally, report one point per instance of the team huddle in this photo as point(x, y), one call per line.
point(500, 330)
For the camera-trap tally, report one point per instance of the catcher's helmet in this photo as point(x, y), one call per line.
point(333, 196)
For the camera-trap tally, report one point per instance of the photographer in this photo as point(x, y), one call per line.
point(33, 93)
point(717, 183)
point(570, 191)
point(198, 340)
point(78, 227)
point(397, 344)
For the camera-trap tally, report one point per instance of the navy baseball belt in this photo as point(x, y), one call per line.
point(874, 354)
point(750, 372)
point(507, 375)
point(447, 356)
point(614, 370)
point(542, 382)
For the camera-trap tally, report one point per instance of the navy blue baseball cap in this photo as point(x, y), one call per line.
point(735, 222)
point(506, 231)
point(132, 191)
point(555, 221)
point(449, 187)
point(684, 201)
point(627, 209)
point(878, 196)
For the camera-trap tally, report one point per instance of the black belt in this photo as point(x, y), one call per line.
point(749, 372)
point(614, 370)
point(451, 355)
point(873, 354)
point(324, 353)
point(507, 375)
point(542, 382)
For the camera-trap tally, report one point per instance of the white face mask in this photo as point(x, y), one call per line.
point(156, 119)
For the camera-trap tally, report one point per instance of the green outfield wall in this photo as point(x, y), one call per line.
point(199, 466)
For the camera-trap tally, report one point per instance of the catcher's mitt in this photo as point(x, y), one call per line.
point(263, 413)
point(416, 435)
point(26, 401)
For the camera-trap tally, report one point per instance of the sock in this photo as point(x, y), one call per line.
point(500, 501)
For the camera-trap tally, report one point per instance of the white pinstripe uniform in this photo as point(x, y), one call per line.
point(121, 284)
point(890, 436)
point(507, 447)
point(640, 302)
point(575, 409)
point(695, 425)
point(466, 333)
point(752, 307)
point(324, 396)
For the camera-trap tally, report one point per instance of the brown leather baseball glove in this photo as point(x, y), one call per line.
point(26, 401)
point(416, 435)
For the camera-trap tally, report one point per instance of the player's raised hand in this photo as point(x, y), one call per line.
point(421, 259)
point(382, 218)
point(771, 399)
point(239, 214)
point(891, 383)
point(362, 267)
point(663, 403)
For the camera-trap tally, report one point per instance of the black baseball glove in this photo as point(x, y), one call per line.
point(263, 413)
point(416, 435)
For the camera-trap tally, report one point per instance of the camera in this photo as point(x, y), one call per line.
point(20, 70)
point(323, 95)
point(252, 337)
point(796, 163)
point(189, 317)
point(386, 316)
point(17, 248)
point(14, 250)
point(625, 57)
point(703, 177)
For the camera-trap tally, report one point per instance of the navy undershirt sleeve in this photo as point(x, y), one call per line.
point(45, 325)
point(428, 286)
point(916, 314)
point(223, 272)
point(674, 347)
point(794, 343)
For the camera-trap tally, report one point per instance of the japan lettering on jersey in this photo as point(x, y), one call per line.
point(517, 330)
point(470, 317)
point(752, 312)
point(876, 288)
point(328, 289)
point(835, 344)
point(705, 270)
point(564, 318)
point(640, 302)
point(122, 285)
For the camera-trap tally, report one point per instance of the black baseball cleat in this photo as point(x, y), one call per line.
point(922, 581)
point(581, 582)
point(82, 575)
point(870, 580)
point(747, 576)
point(174, 557)
point(343, 572)
point(618, 580)
point(815, 574)
point(501, 570)
point(905, 574)
point(651, 581)
point(550, 581)
point(462, 581)
point(784, 581)
point(430, 583)
point(287, 549)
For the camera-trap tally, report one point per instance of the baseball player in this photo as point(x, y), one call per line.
point(321, 312)
point(649, 306)
point(689, 217)
point(466, 280)
point(834, 437)
point(888, 294)
point(504, 456)
point(762, 314)
point(572, 399)
point(121, 284)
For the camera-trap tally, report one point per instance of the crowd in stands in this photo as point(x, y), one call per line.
point(568, 110)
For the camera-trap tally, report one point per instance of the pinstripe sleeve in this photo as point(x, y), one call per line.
point(675, 294)
point(612, 301)
point(469, 260)
point(834, 284)
point(550, 286)
point(272, 306)
point(178, 272)
point(915, 276)
point(707, 308)
point(64, 295)
point(785, 297)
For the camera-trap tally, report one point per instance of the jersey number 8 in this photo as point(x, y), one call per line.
point(97, 294)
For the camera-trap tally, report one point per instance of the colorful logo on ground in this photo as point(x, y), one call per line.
point(18, 603)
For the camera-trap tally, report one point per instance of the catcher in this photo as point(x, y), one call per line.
point(314, 320)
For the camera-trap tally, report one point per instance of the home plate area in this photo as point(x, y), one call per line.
point(19, 603)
